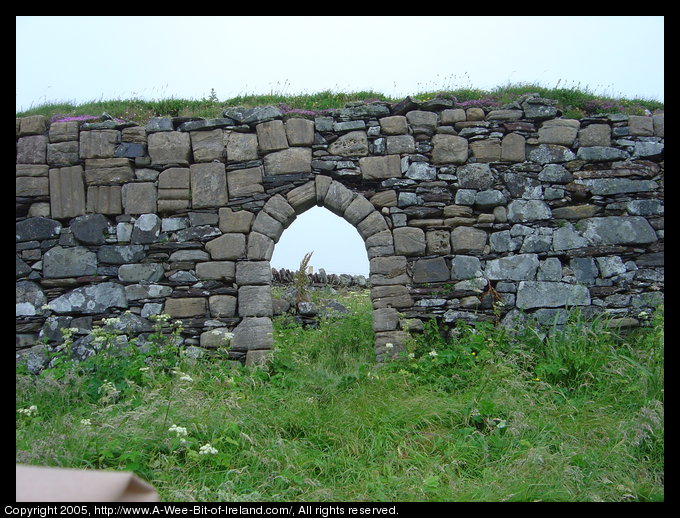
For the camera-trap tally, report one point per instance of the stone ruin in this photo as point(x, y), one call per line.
point(460, 208)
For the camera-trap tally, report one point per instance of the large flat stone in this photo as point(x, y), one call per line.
point(618, 230)
point(538, 294)
point(59, 262)
point(185, 307)
point(380, 167)
point(520, 267)
point(289, 161)
point(92, 299)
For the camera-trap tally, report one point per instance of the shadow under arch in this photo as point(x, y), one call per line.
point(388, 276)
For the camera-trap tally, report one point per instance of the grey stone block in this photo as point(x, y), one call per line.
point(227, 246)
point(380, 167)
point(208, 185)
point(169, 147)
point(431, 270)
point(289, 161)
point(61, 262)
point(253, 333)
point(216, 270)
point(409, 241)
point(245, 182)
point(253, 273)
point(538, 294)
point(255, 301)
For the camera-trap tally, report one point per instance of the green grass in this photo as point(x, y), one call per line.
point(494, 416)
point(574, 101)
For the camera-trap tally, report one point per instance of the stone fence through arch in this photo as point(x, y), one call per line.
point(463, 211)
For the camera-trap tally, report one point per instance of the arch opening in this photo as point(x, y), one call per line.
point(336, 245)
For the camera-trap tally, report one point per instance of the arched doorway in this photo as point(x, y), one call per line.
point(388, 273)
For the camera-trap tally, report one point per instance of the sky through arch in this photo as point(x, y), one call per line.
point(337, 245)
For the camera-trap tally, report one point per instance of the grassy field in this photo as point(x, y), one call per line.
point(487, 415)
point(575, 102)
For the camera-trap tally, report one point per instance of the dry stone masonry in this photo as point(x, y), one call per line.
point(460, 208)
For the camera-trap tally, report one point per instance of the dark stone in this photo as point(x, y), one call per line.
point(90, 229)
point(403, 107)
point(130, 150)
point(37, 229)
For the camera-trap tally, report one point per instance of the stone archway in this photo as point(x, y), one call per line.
point(388, 273)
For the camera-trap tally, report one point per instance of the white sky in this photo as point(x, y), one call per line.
point(82, 59)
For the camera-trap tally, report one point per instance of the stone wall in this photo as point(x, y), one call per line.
point(459, 208)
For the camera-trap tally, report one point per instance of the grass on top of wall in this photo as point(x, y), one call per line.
point(484, 415)
point(574, 101)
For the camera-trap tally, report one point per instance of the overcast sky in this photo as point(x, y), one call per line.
point(82, 59)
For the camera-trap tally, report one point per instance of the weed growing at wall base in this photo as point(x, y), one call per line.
point(494, 414)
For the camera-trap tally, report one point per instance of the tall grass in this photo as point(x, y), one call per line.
point(478, 414)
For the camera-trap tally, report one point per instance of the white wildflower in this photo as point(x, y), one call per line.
point(85, 422)
point(179, 430)
point(207, 449)
point(433, 354)
point(28, 411)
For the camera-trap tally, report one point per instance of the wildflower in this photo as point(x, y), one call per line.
point(111, 321)
point(389, 345)
point(186, 377)
point(28, 411)
point(412, 356)
point(143, 369)
point(85, 422)
point(179, 430)
point(433, 354)
point(207, 449)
